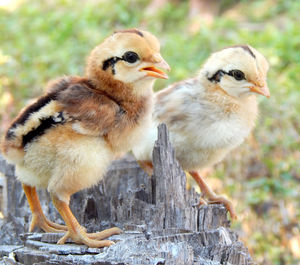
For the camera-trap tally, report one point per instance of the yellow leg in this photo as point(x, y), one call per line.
point(77, 232)
point(212, 197)
point(38, 217)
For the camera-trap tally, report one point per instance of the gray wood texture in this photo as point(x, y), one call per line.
point(161, 220)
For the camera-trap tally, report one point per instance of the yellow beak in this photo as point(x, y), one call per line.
point(155, 72)
point(264, 90)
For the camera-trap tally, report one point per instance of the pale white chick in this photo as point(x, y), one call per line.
point(211, 114)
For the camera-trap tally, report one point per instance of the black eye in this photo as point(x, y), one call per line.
point(237, 74)
point(130, 57)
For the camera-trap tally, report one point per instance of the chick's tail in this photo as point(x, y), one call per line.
point(31, 123)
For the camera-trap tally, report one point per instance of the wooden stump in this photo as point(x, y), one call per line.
point(160, 218)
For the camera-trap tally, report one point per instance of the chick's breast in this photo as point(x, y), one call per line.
point(203, 126)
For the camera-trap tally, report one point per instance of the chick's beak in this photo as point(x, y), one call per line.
point(262, 90)
point(155, 72)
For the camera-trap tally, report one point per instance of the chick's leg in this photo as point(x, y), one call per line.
point(77, 233)
point(212, 197)
point(38, 217)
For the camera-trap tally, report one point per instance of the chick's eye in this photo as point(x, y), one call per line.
point(237, 74)
point(130, 57)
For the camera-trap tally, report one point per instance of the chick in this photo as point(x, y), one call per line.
point(211, 114)
point(67, 138)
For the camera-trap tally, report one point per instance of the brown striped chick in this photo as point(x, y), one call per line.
point(67, 138)
point(211, 114)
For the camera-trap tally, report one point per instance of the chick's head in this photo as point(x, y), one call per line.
point(239, 70)
point(131, 56)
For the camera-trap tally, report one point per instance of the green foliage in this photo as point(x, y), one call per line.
point(41, 40)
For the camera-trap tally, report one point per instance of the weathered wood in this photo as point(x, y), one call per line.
point(160, 218)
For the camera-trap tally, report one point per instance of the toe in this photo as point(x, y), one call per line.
point(227, 203)
point(105, 233)
point(202, 202)
point(64, 238)
point(81, 237)
point(45, 224)
point(98, 243)
point(57, 226)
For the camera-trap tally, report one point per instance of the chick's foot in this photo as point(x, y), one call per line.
point(40, 220)
point(211, 196)
point(93, 240)
point(38, 217)
point(214, 199)
point(78, 233)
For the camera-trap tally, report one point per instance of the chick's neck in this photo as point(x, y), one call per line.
point(123, 94)
point(104, 83)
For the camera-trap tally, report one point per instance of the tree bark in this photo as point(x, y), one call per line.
point(161, 220)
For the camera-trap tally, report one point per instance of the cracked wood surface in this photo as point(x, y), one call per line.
point(160, 219)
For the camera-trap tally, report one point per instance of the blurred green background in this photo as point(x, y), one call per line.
point(41, 40)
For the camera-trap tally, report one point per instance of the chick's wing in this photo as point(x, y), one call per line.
point(91, 112)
